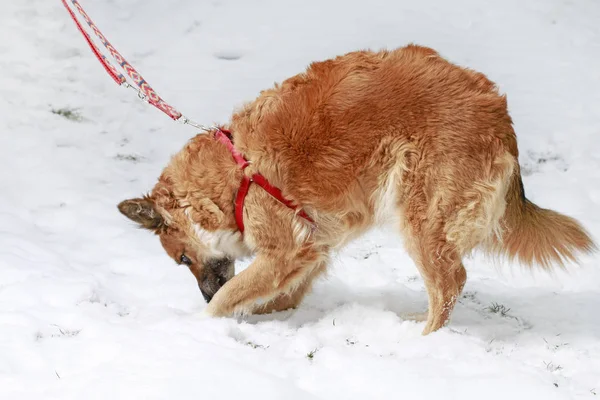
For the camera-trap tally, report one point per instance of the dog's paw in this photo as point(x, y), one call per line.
point(204, 314)
point(212, 311)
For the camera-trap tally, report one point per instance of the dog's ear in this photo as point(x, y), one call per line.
point(205, 212)
point(142, 211)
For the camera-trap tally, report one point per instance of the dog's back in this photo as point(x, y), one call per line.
point(343, 136)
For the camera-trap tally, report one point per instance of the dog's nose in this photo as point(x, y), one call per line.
point(207, 295)
point(215, 274)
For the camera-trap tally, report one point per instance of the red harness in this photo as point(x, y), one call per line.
point(225, 138)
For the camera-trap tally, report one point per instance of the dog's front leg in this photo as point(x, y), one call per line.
point(266, 278)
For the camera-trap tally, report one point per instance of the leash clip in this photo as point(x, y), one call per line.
point(139, 93)
point(186, 121)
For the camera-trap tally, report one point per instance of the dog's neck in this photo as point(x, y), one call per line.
point(204, 168)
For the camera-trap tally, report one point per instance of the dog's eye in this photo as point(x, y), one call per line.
point(185, 260)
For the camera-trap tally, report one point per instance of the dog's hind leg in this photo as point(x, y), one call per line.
point(444, 275)
point(440, 265)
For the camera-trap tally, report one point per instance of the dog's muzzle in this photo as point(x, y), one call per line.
point(216, 274)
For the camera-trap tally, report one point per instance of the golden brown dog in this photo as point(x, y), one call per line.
point(397, 137)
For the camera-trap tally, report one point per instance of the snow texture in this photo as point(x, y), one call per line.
point(92, 308)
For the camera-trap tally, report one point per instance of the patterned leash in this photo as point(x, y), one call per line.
point(144, 90)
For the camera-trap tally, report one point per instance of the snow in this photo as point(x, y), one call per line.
point(91, 307)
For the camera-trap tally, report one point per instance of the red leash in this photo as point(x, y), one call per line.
point(145, 91)
point(112, 71)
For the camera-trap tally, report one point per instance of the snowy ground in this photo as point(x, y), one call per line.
point(91, 307)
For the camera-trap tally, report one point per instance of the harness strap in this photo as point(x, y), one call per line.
point(224, 137)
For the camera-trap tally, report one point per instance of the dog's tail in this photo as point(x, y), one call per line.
point(535, 235)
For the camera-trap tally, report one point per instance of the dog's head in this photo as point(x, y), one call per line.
point(182, 210)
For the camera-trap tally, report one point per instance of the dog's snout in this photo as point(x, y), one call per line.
point(207, 295)
point(216, 274)
point(208, 287)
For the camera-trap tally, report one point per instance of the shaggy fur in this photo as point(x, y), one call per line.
point(397, 137)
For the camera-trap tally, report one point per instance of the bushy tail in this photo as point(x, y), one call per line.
point(535, 235)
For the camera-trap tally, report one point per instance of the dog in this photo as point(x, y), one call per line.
point(397, 137)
